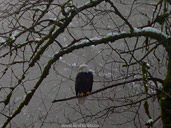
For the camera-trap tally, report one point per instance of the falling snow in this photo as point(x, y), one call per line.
point(2, 40)
point(74, 65)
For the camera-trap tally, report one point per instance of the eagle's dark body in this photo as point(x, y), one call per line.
point(83, 82)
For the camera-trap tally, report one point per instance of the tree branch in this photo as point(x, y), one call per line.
point(105, 88)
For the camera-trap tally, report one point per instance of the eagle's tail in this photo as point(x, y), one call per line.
point(81, 100)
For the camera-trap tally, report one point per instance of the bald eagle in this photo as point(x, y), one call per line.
point(83, 83)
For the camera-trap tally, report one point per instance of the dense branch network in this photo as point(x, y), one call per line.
point(43, 33)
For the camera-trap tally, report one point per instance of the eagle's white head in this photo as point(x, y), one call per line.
point(83, 68)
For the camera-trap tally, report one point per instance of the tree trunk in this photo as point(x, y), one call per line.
point(165, 100)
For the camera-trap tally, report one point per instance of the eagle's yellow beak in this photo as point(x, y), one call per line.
point(80, 68)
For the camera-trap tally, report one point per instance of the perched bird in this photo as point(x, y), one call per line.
point(83, 83)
